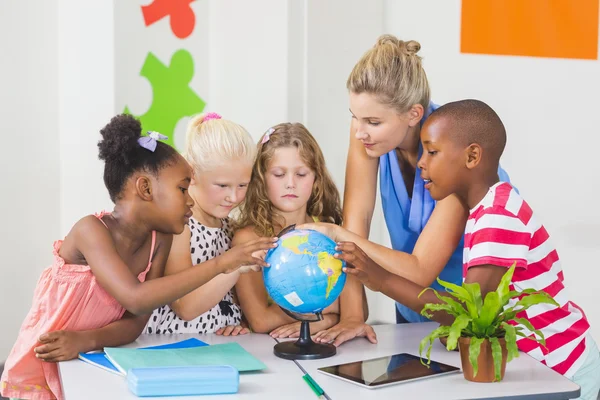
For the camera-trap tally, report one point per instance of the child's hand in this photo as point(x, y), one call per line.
point(371, 274)
point(244, 269)
point(333, 231)
point(61, 346)
point(287, 331)
point(293, 330)
point(250, 254)
point(346, 330)
point(233, 330)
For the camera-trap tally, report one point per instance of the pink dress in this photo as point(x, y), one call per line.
point(67, 297)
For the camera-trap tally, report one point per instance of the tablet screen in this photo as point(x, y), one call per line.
point(385, 370)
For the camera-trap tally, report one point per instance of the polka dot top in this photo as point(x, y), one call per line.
point(205, 243)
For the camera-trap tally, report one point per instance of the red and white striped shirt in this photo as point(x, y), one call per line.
point(502, 230)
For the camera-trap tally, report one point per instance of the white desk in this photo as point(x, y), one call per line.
point(525, 377)
point(281, 378)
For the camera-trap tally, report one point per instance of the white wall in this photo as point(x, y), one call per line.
point(86, 101)
point(248, 62)
point(550, 109)
point(29, 163)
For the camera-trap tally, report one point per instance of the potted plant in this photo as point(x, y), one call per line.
point(481, 328)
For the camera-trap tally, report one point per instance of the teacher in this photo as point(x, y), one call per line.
point(389, 101)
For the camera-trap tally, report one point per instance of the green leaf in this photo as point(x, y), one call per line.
point(515, 293)
point(490, 310)
point(474, 349)
point(530, 297)
point(531, 337)
point(503, 286)
point(428, 340)
point(436, 307)
point(533, 299)
point(507, 315)
point(497, 357)
point(457, 291)
point(510, 337)
point(538, 333)
point(458, 308)
point(475, 292)
point(456, 329)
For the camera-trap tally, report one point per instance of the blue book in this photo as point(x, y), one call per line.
point(98, 358)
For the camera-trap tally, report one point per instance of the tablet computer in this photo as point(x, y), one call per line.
point(385, 371)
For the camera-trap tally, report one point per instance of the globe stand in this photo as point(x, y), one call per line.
point(304, 348)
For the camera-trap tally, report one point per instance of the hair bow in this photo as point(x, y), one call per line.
point(149, 142)
point(267, 135)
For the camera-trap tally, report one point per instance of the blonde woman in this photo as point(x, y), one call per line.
point(389, 101)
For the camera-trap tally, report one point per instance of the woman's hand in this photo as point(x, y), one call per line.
point(61, 346)
point(333, 231)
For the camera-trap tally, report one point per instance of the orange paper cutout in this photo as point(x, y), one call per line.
point(182, 17)
point(537, 28)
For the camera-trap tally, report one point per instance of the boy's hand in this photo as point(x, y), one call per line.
point(61, 346)
point(248, 254)
point(361, 266)
point(233, 330)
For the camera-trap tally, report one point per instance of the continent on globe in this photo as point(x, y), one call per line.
point(332, 267)
point(294, 242)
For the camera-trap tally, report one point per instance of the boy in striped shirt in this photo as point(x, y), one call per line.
point(462, 145)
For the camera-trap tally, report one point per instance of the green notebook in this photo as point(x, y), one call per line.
point(218, 354)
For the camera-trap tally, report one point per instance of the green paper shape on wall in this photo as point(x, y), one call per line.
point(173, 98)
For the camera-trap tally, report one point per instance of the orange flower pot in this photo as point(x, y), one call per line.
point(485, 362)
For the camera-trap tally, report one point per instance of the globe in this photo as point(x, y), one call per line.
point(304, 277)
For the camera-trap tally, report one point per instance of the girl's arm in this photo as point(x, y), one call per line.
point(252, 295)
point(66, 345)
point(96, 245)
point(206, 296)
point(432, 251)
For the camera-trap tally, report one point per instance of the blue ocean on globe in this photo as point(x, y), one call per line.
point(303, 276)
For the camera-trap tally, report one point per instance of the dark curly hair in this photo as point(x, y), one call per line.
point(122, 154)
